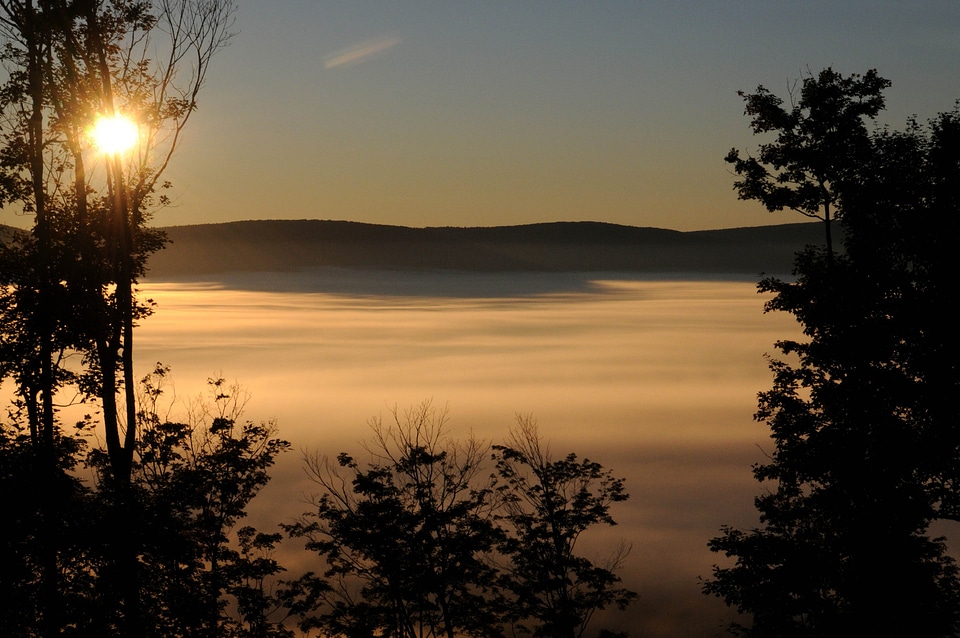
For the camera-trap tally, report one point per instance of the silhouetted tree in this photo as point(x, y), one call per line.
point(863, 414)
point(905, 210)
point(251, 582)
point(404, 538)
point(820, 137)
point(423, 542)
point(70, 63)
point(546, 505)
point(194, 481)
point(67, 286)
point(33, 534)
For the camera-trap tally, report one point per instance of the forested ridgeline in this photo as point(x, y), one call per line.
point(296, 245)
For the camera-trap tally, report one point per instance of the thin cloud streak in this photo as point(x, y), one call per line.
point(359, 52)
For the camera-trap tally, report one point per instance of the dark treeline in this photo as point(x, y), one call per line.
point(299, 245)
point(429, 536)
point(436, 537)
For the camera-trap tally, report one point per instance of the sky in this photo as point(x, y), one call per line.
point(440, 113)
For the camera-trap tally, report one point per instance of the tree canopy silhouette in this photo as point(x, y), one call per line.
point(547, 504)
point(404, 539)
point(821, 136)
point(422, 542)
point(68, 304)
point(862, 411)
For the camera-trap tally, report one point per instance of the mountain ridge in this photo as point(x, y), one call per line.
point(290, 246)
point(566, 246)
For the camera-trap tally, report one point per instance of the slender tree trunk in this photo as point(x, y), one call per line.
point(126, 303)
point(42, 416)
point(827, 223)
point(120, 451)
point(122, 458)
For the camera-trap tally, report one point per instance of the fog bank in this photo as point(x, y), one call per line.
point(656, 379)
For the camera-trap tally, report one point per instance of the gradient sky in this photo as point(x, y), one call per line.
point(440, 113)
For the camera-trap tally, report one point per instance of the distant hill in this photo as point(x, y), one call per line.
point(301, 245)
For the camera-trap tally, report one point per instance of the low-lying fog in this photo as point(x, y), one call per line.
point(656, 379)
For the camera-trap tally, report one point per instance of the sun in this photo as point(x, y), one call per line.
point(114, 134)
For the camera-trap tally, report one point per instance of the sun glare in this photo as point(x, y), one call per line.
point(114, 134)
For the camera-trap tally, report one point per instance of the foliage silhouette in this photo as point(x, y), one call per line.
point(861, 414)
point(404, 539)
point(67, 289)
point(56, 528)
point(192, 482)
point(546, 505)
point(821, 137)
point(421, 542)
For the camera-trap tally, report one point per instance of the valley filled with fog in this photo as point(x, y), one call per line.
point(654, 378)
